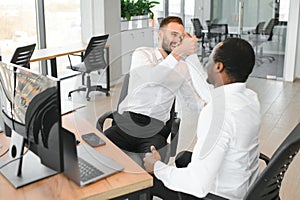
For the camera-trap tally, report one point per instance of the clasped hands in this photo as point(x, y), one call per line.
point(150, 159)
point(187, 47)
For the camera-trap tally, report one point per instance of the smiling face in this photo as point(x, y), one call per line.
point(171, 36)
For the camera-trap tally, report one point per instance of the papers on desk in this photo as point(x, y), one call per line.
point(69, 106)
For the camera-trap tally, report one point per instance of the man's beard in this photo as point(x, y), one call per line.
point(167, 51)
point(165, 48)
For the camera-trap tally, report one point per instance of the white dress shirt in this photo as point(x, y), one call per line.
point(154, 82)
point(225, 158)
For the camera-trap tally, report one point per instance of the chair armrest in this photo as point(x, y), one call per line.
point(174, 136)
point(102, 118)
point(211, 196)
point(73, 54)
point(264, 158)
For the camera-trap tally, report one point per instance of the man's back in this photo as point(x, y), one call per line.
point(236, 120)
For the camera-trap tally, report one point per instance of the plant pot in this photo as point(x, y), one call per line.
point(133, 23)
point(124, 24)
point(144, 21)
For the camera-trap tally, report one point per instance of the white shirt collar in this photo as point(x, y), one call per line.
point(229, 88)
point(158, 55)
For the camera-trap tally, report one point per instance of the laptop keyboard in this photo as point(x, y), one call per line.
point(87, 171)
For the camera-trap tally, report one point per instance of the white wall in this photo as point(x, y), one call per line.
point(103, 17)
point(297, 65)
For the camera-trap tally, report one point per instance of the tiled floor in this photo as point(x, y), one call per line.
point(280, 107)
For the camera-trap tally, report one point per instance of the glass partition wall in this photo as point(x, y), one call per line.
point(261, 22)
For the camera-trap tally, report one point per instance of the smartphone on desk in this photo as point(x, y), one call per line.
point(92, 139)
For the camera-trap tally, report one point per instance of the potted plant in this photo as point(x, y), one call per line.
point(134, 10)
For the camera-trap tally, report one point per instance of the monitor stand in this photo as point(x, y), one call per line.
point(26, 170)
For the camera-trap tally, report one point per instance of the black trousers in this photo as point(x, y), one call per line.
point(136, 133)
point(159, 190)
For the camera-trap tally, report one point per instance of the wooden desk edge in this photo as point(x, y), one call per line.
point(117, 192)
point(36, 57)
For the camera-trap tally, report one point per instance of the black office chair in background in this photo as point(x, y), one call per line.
point(172, 125)
point(198, 32)
point(268, 184)
point(260, 37)
point(93, 60)
point(259, 28)
point(217, 32)
point(22, 55)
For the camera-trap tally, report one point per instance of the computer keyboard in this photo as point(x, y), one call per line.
point(87, 171)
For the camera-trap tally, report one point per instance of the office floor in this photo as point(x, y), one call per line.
point(269, 69)
point(280, 107)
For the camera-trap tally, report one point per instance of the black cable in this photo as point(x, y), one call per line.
point(15, 158)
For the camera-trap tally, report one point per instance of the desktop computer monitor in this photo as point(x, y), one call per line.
point(30, 109)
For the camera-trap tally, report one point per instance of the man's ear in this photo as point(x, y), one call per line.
point(160, 34)
point(219, 66)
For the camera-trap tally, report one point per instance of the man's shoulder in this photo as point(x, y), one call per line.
point(145, 49)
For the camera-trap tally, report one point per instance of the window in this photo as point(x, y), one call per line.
point(18, 25)
point(175, 7)
point(63, 22)
point(63, 27)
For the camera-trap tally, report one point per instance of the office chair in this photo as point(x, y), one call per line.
point(22, 55)
point(262, 36)
point(218, 32)
point(198, 32)
point(268, 184)
point(172, 125)
point(259, 29)
point(93, 60)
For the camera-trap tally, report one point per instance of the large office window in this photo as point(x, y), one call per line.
point(63, 22)
point(175, 8)
point(18, 25)
point(63, 27)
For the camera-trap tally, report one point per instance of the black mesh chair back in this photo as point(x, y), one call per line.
point(268, 185)
point(259, 28)
point(197, 27)
point(218, 30)
point(94, 55)
point(93, 60)
point(269, 28)
point(22, 55)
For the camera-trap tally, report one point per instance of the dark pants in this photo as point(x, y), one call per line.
point(136, 133)
point(159, 190)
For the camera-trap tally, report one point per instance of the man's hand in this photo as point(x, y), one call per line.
point(150, 159)
point(187, 47)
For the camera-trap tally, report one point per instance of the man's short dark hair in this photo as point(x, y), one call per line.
point(170, 19)
point(238, 58)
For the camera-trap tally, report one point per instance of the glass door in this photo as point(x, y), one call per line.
point(261, 22)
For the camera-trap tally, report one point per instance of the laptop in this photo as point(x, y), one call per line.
point(83, 164)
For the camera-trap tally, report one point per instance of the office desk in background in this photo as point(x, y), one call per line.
point(52, 53)
point(131, 181)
